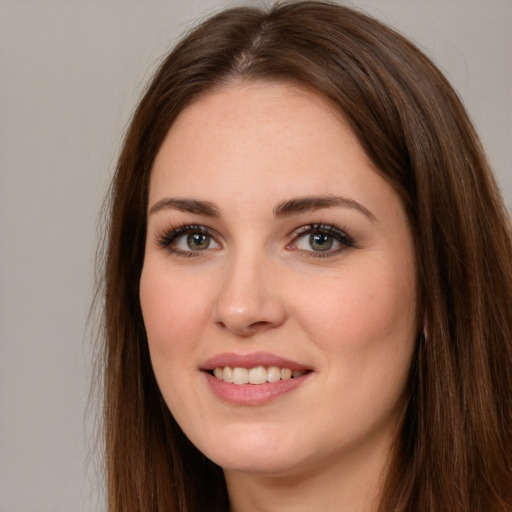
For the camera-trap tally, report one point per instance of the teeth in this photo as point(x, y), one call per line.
point(273, 374)
point(240, 376)
point(257, 375)
point(227, 374)
point(286, 374)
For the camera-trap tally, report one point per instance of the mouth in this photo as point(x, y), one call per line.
point(257, 375)
point(253, 379)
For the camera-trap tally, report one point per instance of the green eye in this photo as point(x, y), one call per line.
point(198, 241)
point(189, 240)
point(320, 241)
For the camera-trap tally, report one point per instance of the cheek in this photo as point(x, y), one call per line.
point(359, 310)
point(174, 309)
point(365, 326)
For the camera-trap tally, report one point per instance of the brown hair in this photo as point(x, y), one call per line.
point(454, 451)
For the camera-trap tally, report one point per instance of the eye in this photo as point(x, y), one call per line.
point(187, 240)
point(317, 242)
point(193, 242)
point(322, 239)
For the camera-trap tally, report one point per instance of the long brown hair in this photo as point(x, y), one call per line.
point(454, 451)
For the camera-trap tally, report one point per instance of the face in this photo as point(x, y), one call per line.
point(276, 254)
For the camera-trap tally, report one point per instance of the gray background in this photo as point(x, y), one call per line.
point(71, 73)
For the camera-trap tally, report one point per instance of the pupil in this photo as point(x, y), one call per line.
point(320, 241)
point(198, 241)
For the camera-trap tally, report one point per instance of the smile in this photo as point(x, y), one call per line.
point(256, 375)
point(254, 379)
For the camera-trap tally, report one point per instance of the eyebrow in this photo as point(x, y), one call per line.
point(284, 209)
point(312, 203)
point(186, 205)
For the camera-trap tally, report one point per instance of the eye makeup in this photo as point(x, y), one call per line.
point(320, 240)
point(188, 240)
point(317, 240)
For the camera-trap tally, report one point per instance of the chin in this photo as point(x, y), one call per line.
point(253, 450)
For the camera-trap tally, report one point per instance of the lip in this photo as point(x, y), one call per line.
point(251, 361)
point(252, 394)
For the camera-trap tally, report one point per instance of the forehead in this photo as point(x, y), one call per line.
point(252, 132)
point(249, 147)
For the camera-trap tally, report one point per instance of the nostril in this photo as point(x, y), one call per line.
point(260, 324)
point(245, 329)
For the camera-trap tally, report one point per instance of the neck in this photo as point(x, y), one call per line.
point(349, 483)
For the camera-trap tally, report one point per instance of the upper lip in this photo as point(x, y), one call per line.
point(251, 361)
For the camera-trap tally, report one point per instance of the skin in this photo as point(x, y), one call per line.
point(348, 313)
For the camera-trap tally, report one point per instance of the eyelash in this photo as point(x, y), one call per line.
point(339, 235)
point(172, 233)
point(169, 236)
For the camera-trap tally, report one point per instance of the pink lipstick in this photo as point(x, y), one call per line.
point(253, 379)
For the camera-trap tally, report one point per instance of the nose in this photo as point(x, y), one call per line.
point(249, 301)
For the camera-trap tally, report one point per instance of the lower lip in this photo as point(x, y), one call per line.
point(253, 394)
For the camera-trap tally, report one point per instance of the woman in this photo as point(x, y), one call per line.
point(308, 279)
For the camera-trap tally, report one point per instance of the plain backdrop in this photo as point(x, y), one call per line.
point(71, 73)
